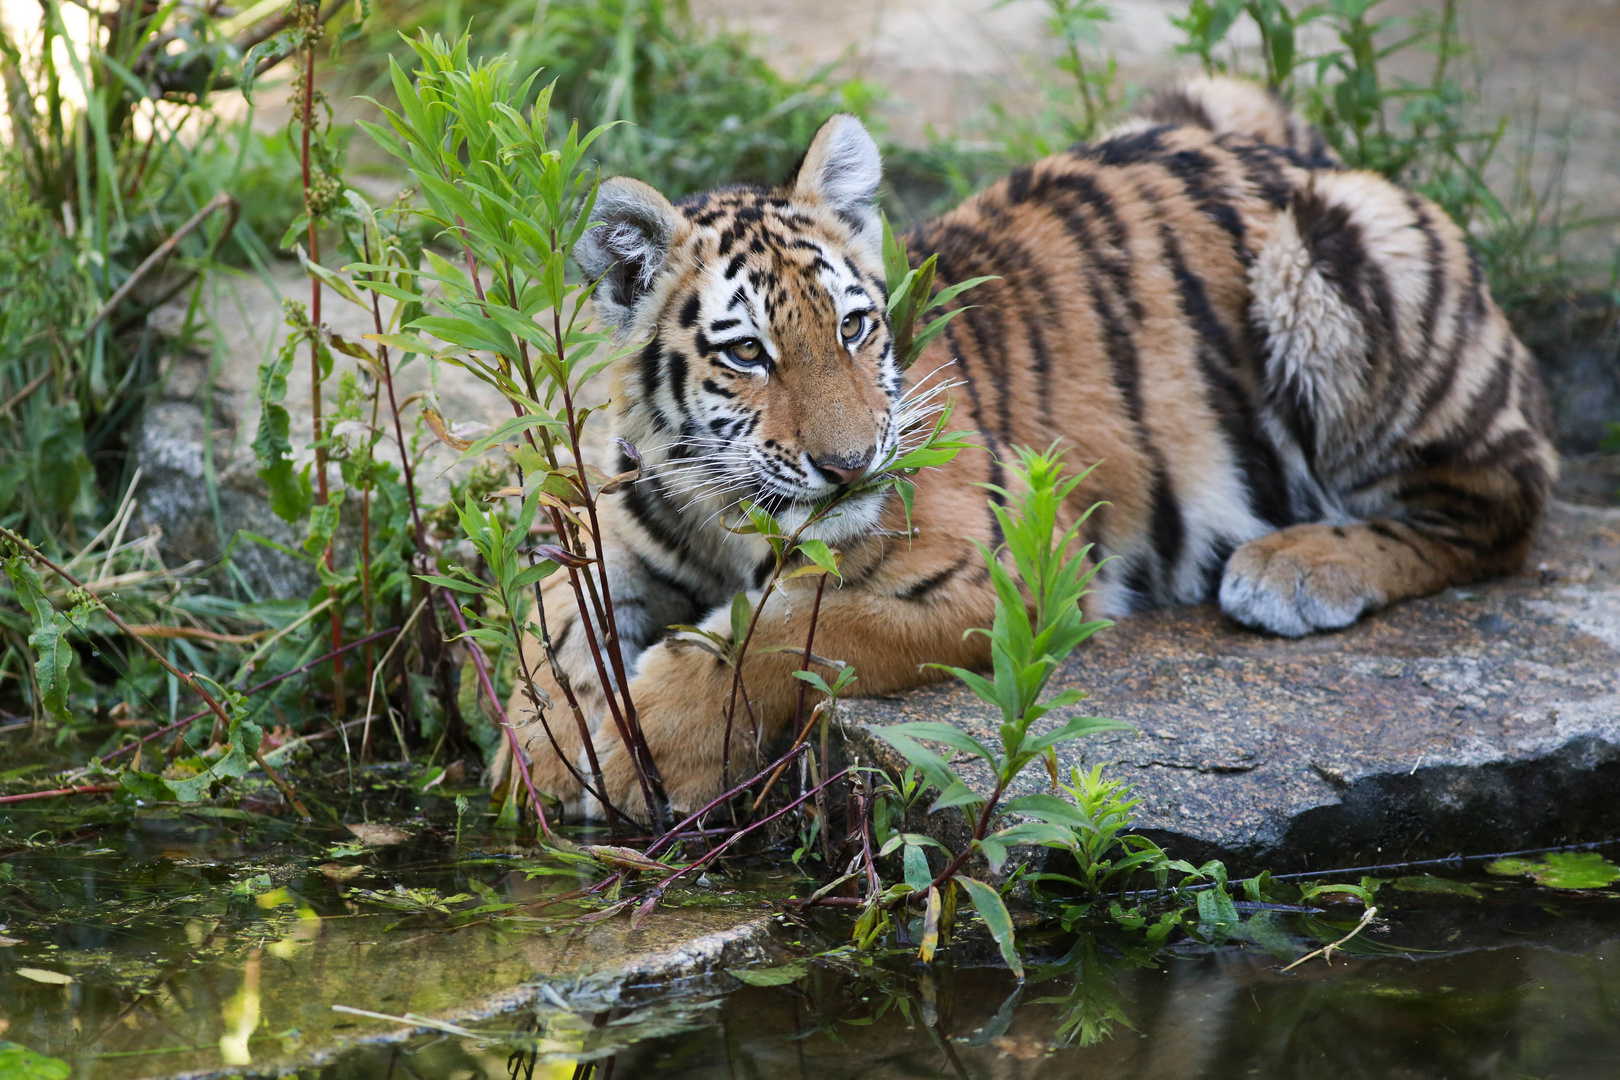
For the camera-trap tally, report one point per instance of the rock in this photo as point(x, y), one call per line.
point(1482, 719)
point(169, 449)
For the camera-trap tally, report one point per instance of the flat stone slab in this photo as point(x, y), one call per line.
point(1481, 719)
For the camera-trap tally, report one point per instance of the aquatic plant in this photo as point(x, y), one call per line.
point(1029, 638)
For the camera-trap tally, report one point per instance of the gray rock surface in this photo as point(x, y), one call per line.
point(1478, 720)
point(170, 448)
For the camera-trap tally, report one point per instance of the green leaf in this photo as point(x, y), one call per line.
point(915, 861)
point(772, 976)
point(1050, 808)
point(987, 901)
point(951, 736)
point(741, 612)
point(1077, 728)
point(819, 553)
point(1040, 833)
point(290, 493)
point(54, 654)
point(1559, 870)
point(17, 1062)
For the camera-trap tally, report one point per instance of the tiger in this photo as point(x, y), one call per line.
point(1297, 394)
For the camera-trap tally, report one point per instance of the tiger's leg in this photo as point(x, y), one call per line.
point(645, 601)
point(684, 692)
point(1409, 417)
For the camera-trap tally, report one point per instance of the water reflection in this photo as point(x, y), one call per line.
point(199, 946)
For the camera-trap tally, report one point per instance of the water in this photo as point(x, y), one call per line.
point(157, 942)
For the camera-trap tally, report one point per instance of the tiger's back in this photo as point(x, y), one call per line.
point(1246, 336)
point(1298, 394)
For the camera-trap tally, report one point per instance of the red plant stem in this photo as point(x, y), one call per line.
point(599, 792)
point(500, 713)
point(719, 800)
point(399, 429)
point(321, 495)
point(962, 856)
point(633, 745)
point(748, 636)
point(567, 686)
point(365, 533)
point(835, 901)
point(615, 653)
point(89, 789)
point(873, 887)
point(625, 734)
point(162, 731)
point(809, 644)
point(714, 852)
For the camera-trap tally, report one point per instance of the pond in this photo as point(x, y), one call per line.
point(215, 941)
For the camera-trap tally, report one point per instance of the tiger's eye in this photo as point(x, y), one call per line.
point(747, 351)
point(852, 325)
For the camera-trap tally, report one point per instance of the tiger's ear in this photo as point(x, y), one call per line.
point(636, 227)
point(841, 170)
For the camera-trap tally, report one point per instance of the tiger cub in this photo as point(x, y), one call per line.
point(1304, 401)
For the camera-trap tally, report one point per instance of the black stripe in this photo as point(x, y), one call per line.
point(1225, 397)
point(677, 377)
point(981, 251)
point(918, 590)
point(762, 572)
point(694, 605)
point(1219, 553)
point(1169, 530)
point(689, 312)
point(1468, 318)
point(648, 504)
point(651, 376)
point(969, 383)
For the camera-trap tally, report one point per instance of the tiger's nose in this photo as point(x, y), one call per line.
point(844, 469)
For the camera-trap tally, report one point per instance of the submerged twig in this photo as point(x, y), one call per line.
point(1326, 951)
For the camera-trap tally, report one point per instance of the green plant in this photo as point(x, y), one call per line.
point(1029, 639)
point(912, 295)
point(700, 106)
point(1092, 81)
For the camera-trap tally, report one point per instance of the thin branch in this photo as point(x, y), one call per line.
point(160, 732)
point(500, 713)
point(164, 250)
point(190, 680)
point(88, 789)
point(1326, 951)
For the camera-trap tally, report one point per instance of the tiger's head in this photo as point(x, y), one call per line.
point(768, 372)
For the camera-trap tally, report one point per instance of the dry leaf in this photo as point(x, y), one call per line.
point(340, 873)
point(624, 858)
point(373, 834)
point(436, 422)
point(40, 975)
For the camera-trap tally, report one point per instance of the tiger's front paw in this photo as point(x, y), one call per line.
point(681, 697)
point(1296, 581)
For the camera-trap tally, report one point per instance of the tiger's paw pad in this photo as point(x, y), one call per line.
point(1293, 589)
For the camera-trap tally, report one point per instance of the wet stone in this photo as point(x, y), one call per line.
point(1481, 719)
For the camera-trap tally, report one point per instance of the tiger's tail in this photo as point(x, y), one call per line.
point(1223, 104)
